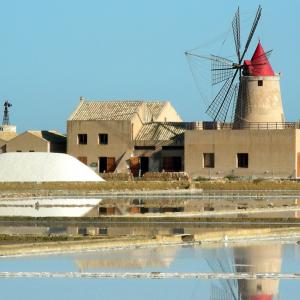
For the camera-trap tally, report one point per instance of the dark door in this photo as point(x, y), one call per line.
point(168, 164)
point(135, 166)
point(144, 161)
point(110, 164)
point(107, 164)
point(102, 164)
point(172, 163)
point(177, 163)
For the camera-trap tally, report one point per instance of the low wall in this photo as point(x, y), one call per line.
point(117, 176)
point(166, 176)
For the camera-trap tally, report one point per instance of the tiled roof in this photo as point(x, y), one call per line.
point(7, 135)
point(155, 108)
point(160, 131)
point(113, 110)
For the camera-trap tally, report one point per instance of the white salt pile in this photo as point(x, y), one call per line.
point(43, 167)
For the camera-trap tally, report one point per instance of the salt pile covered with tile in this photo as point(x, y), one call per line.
point(44, 167)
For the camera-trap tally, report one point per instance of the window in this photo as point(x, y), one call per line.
point(242, 160)
point(82, 139)
point(103, 231)
point(208, 160)
point(259, 287)
point(82, 231)
point(103, 138)
point(260, 82)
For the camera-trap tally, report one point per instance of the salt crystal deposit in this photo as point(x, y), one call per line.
point(43, 167)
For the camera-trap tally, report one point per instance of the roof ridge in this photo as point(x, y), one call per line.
point(77, 108)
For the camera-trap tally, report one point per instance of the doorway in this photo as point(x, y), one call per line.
point(172, 164)
point(144, 161)
point(107, 164)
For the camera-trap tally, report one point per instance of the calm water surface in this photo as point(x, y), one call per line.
point(262, 257)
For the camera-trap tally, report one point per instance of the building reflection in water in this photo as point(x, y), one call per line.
point(249, 258)
point(258, 259)
point(160, 257)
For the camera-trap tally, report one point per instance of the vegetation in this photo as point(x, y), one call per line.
point(231, 177)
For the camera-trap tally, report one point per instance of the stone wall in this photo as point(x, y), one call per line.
point(165, 176)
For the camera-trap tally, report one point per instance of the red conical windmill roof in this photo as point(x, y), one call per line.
point(259, 64)
point(261, 297)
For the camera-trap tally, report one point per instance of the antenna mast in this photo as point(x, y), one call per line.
point(7, 105)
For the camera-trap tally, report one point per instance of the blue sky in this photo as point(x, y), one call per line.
point(54, 51)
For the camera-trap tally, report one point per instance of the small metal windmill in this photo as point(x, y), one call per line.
point(226, 75)
point(7, 105)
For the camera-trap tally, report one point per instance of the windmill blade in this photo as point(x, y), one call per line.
point(221, 69)
point(260, 60)
point(218, 293)
point(219, 107)
point(236, 29)
point(212, 57)
point(253, 28)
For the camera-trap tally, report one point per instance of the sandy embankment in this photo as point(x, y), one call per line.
point(228, 236)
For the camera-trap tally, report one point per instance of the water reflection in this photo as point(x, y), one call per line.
point(258, 259)
point(263, 257)
point(247, 259)
point(235, 205)
point(242, 259)
point(48, 207)
point(140, 259)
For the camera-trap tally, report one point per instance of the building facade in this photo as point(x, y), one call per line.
point(140, 137)
point(253, 152)
point(7, 132)
point(37, 141)
point(102, 134)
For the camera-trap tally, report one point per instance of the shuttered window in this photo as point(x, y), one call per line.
point(208, 160)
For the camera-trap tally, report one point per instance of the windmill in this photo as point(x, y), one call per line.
point(233, 82)
point(7, 105)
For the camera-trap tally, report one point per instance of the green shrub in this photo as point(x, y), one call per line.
point(201, 178)
point(231, 177)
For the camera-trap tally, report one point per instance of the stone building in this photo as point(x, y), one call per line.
point(7, 132)
point(254, 152)
point(102, 134)
point(159, 146)
point(138, 136)
point(37, 141)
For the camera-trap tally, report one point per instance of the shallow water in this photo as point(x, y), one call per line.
point(259, 257)
point(272, 256)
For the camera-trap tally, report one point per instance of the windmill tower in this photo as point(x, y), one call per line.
point(259, 100)
point(246, 259)
point(5, 127)
point(258, 258)
point(248, 91)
